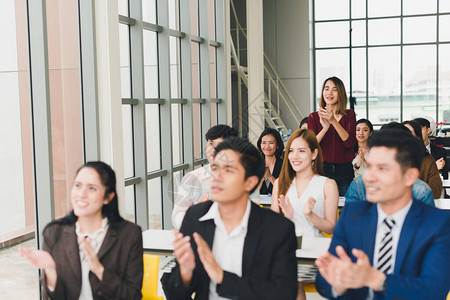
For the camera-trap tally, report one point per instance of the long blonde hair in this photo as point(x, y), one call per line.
point(287, 173)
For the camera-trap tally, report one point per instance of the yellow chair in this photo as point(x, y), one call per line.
point(150, 282)
point(310, 288)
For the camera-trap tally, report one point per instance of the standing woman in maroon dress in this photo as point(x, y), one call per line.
point(335, 127)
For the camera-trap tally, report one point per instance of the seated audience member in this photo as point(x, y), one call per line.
point(428, 171)
point(364, 130)
point(304, 123)
point(194, 187)
point(230, 248)
point(92, 253)
point(439, 153)
point(304, 195)
point(390, 247)
point(271, 145)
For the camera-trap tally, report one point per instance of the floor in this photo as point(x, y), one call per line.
point(19, 280)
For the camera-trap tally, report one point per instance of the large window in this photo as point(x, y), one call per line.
point(170, 97)
point(392, 56)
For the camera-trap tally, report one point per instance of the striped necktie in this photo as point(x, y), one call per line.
point(384, 263)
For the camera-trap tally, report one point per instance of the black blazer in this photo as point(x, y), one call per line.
point(121, 255)
point(438, 152)
point(269, 266)
point(276, 172)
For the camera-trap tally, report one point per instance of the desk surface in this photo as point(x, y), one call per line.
point(267, 200)
point(442, 203)
point(161, 241)
point(446, 183)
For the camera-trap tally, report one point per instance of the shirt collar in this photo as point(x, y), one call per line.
point(95, 234)
point(214, 214)
point(398, 217)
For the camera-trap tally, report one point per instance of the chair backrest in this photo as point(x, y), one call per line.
point(150, 282)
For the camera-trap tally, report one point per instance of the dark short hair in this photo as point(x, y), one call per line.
point(277, 136)
point(220, 131)
point(395, 125)
point(423, 122)
point(410, 151)
point(303, 121)
point(250, 157)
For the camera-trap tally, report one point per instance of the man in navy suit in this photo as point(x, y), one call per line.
point(230, 248)
point(391, 247)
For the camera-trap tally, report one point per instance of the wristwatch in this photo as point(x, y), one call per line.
point(356, 166)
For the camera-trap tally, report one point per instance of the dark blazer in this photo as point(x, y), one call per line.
point(438, 152)
point(121, 255)
point(422, 264)
point(276, 172)
point(269, 266)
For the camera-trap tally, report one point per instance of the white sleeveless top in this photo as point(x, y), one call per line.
point(315, 190)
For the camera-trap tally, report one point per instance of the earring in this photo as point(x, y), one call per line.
point(312, 163)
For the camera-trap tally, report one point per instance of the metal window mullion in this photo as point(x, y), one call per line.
point(205, 82)
point(367, 60)
point(186, 86)
point(437, 62)
point(41, 119)
point(401, 61)
point(221, 61)
point(139, 130)
point(314, 71)
point(165, 113)
point(88, 62)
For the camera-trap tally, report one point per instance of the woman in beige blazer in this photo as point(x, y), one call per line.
point(92, 253)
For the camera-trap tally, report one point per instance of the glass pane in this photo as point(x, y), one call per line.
point(154, 203)
point(444, 24)
point(149, 11)
point(416, 7)
point(129, 203)
point(123, 7)
point(194, 17)
point(213, 114)
point(358, 9)
point(195, 52)
point(331, 63)
point(151, 64)
point(127, 127)
point(197, 127)
point(212, 19)
point(384, 8)
point(177, 134)
point(212, 72)
point(331, 9)
point(125, 71)
point(384, 84)
point(444, 6)
point(333, 34)
point(16, 149)
point(419, 81)
point(382, 32)
point(153, 132)
point(359, 81)
point(65, 98)
point(175, 67)
point(419, 29)
point(358, 33)
point(444, 84)
point(174, 14)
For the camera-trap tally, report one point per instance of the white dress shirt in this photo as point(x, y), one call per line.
point(96, 242)
point(227, 248)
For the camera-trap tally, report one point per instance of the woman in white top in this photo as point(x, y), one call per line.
point(364, 129)
point(305, 196)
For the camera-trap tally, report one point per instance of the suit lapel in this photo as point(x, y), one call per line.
point(109, 241)
point(409, 229)
point(251, 239)
point(69, 239)
point(370, 231)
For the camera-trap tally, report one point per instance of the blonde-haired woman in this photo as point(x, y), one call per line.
point(301, 192)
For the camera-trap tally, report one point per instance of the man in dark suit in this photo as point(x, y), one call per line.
point(230, 247)
point(439, 153)
point(391, 247)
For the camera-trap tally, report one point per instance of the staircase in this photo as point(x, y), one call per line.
point(274, 91)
